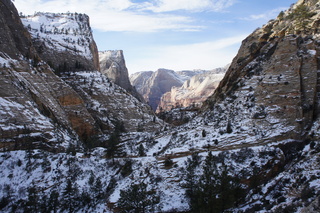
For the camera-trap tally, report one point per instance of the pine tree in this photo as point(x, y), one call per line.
point(141, 151)
point(215, 191)
point(53, 203)
point(192, 180)
point(302, 16)
point(137, 199)
point(112, 145)
point(97, 190)
point(69, 197)
point(32, 204)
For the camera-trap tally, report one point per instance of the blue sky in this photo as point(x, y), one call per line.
point(172, 34)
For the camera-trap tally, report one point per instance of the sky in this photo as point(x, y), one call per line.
point(170, 34)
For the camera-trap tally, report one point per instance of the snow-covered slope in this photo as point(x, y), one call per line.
point(61, 31)
point(109, 103)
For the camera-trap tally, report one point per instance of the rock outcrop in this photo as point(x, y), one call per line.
point(14, 37)
point(193, 91)
point(140, 79)
point(112, 65)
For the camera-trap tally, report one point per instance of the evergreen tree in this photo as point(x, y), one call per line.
point(302, 16)
point(70, 195)
point(192, 181)
point(97, 190)
point(53, 203)
point(204, 133)
point(141, 151)
point(32, 204)
point(137, 199)
point(7, 196)
point(215, 191)
point(206, 192)
point(112, 144)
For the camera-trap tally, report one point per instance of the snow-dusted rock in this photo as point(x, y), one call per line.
point(63, 40)
point(113, 65)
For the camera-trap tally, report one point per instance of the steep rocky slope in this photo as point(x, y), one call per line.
point(193, 91)
point(36, 105)
point(113, 65)
point(272, 84)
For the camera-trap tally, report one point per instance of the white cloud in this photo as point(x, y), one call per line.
point(188, 5)
point(111, 15)
point(131, 22)
point(265, 16)
point(205, 55)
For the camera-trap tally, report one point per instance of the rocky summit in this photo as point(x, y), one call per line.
point(63, 40)
point(113, 65)
point(72, 140)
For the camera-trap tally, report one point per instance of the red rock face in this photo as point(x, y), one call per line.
point(14, 37)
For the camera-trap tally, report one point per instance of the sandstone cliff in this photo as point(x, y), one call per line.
point(112, 106)
point(193, 91)
point(64, 40)
point(36, 105)
point(112, 64)
point(140, 79)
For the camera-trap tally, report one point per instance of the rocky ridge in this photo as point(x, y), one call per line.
point(42, 108)
point(36, 105)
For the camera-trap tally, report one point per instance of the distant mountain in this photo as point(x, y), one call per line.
point(152, 85)
point(194, 91)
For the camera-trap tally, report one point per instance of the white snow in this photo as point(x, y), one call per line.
point(312, 52)
point(61, 31)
